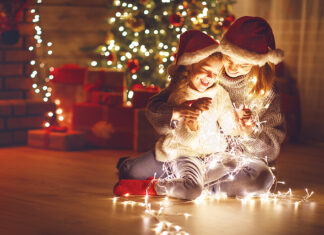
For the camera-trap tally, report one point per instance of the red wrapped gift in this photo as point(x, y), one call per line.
point(69, 74)
point(105, 80)
point(112, 127)
point(142, 94)
point(69, 140)
point(107, 98)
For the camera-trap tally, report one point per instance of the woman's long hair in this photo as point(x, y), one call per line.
point(263, 78)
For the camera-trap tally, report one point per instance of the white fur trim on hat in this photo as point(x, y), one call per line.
point(236, 52)
point(188, 58)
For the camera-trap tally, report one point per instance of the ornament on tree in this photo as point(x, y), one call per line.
point(216, 28)
point(227, 22)
point(176, 19)
point(185, 4)
point(205, 23)
point(133, 65)
point(111, 57)
point(136, 24)
point(10, 11)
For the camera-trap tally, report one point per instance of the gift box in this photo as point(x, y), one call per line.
point(70, 140)
point(67, 86)
point(68, 95)
point(141, 94)
point(71, 74)
point(107, 98)
point(113, 127)
point(105, 80)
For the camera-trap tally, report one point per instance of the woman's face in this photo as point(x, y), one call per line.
point(235, 68)
point(204, 73)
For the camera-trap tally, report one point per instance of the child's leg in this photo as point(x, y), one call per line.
point(188, 183)
point(141, 167)
point(254, 177)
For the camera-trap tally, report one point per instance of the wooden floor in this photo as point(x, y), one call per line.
point(52, 192)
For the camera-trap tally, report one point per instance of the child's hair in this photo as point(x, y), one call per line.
point(263, 78)
point(181, 75)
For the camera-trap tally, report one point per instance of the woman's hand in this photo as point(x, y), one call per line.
point(244, 121)
point(202, 103)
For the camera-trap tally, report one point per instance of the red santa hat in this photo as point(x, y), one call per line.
point(194, 46)
point(251, 39)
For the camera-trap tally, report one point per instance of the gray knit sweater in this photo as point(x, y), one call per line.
point(264, 143)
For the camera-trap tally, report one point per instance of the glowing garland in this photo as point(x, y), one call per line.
point(40, 68)
point(165, 227)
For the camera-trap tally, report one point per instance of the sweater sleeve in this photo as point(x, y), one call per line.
point(265, 143)
point(159, 112)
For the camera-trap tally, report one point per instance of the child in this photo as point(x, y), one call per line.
point(195, 83)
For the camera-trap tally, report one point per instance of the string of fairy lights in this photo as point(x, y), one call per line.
point(41, 72)
point(158, 208)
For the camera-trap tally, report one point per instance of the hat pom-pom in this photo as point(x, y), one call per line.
point(275, 56)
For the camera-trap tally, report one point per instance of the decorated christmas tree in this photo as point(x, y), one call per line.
point(144, 34)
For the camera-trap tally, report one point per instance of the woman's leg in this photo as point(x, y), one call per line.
point(140, 168)
point(253, 177)
point(188, 183)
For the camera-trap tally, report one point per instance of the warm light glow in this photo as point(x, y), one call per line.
point(59, 111)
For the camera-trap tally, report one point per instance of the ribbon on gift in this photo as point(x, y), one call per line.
point(53, 128)
point(107, 98)
point(149, 88)
point(97, 84)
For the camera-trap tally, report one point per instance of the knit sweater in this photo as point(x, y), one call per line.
point(208, 139)
point(264, 144)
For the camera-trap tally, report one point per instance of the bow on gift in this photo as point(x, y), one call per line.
point(97, 85)
point(149, 88)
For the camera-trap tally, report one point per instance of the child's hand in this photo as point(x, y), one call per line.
point(244, 121)
point(185, 111)
point(202, 103)
point(193, 125)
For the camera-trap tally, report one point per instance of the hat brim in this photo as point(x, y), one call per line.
point(232, 50)
point(189, 58)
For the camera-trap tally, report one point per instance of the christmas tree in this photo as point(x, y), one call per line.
point(144, 34)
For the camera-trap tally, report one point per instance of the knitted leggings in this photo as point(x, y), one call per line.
point(190, 175)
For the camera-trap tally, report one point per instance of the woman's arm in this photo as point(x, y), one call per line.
point(159, 112)
point(265, 143)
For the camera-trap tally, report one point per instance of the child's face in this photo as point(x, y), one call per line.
point(204, 73)
point(235, 68)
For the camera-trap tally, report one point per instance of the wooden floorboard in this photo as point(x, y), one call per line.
point(54, 192)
